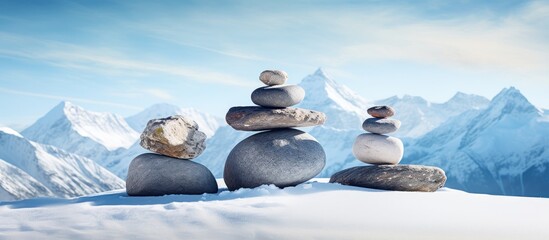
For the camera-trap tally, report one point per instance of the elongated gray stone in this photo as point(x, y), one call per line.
point(154, 175)
point(175, 136)
point(381, 111)
point(260, 118)
point(381, 125)
point(284, 157)
point(278, 96)
point(393, 177)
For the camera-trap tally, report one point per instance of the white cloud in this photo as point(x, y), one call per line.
point(104, 61)
point(511, 42)
point(159, 93)
point(72, 99)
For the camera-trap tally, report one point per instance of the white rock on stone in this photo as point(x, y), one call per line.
point(378, 149)
point(175, 136)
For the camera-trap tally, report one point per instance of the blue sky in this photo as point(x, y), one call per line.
point(122, 56)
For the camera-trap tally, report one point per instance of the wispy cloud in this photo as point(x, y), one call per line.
point(159, 93)
point(66, 98)
point(513, 42)
point(102, 61)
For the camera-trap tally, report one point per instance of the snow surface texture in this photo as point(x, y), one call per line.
point(30, 169)
point(316, 210)
point(502, 149)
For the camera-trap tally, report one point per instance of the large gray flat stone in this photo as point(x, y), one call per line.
point(260, 118)
point(393, 177)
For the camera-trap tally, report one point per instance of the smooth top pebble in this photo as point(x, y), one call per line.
point(381, 111)
point(273, 77)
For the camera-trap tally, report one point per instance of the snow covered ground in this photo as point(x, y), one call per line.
point(316, 210)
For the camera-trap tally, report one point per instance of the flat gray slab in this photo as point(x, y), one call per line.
point(260, 118)
point(393, 177)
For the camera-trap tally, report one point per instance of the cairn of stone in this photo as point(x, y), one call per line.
point(384, 153)
point(281, 155)
point(175, 141)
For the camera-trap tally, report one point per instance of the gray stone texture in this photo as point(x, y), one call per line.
point(260, 118)
point(273, 77)
point(393, 177)
point(285, 157)
point(155, 175)
point(381, 125)
point(279, 96)
point(381, 111)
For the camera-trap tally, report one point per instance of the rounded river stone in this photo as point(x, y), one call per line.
point(151, 174)
point(278, 96)
point(381, 125)
point(378, 149)
point(381, 111)
point(273, 77)
point(285, 157)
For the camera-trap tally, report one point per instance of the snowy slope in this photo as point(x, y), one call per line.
point(418, 116)
point(206, 122)
point(17, 184)
point(503, 149)
point(309, 211)
point(89, 134)
point(64, 174)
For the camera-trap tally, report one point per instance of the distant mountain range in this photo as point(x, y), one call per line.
point(501, 149)
point(498, 146)
point(30, 169)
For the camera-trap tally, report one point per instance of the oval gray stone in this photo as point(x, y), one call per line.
point(378, 149)
point(260, 118)
point(175, 136)
point(381, 125)
point(285, 157)
point(151, 174)
point(393, 177)
point(273, 77)
point(381, 111)
point(279, 96)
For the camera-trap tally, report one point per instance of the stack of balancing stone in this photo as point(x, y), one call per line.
point(384, 153)
point(279, 155)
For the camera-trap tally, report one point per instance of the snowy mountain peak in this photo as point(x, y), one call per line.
point(415, 99)
point(344, 108)
point(65, 174)
point(511, 100)
point(463, 100)
point(7, 130)
point(66, 123)
point(321, 73)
